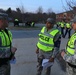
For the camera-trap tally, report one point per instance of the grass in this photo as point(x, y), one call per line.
point(23, 27)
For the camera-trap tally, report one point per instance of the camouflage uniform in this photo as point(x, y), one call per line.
point(40, 57)
point(70, 70)
point(72, 60)
point(5, 45)
point(5, 69)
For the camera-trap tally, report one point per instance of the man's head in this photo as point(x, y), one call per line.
point(3, 20)
point(74, 23)
point(50, 23)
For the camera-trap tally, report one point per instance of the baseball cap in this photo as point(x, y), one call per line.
point(51, 20)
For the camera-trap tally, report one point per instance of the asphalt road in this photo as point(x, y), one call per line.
point(25, 41)
point(25, 33)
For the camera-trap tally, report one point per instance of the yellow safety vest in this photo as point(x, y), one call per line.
point(16, 19)
point(70, 45)
point(58, 23)
point(68, 25)
point(5, 45)
point(46, 39)
point(62, 24)
point(32, 23)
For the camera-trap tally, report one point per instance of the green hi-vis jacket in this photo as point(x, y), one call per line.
point(5, 43)
point(62, 24)
point(68, 25)
point(71, 45)
point(46, 39)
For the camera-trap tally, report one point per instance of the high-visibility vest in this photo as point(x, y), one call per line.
point(70, 48)
point(5, 43)
point(62, 24)
point(16, 19)
point(58, 23)
point(68, 25)
point(32, 23)
point(46, 39)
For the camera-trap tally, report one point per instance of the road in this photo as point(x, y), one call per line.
point(25, 41)
point(25, 33)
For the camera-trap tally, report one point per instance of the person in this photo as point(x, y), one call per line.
point(58, 24)
point(48, 45)
point(16, 22)
point(69, 54)
point(62, 25)
point(68, 29)
point(32, 24)
point(6, 50)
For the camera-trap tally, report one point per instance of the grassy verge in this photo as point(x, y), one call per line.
point(23, 27)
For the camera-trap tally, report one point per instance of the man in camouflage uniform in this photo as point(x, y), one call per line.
point(69, 55)
point(48, 45)
point(6, 50)
point(67, 29)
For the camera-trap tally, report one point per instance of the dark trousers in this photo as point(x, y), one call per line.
point(67, 31)
point(62, 31)
point(5, 69)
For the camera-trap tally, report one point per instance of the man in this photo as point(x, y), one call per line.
point(62, 25)
point(48, 45)
point(69, 55)
point(6, 50)
point(32, 24)
point(68, 29)
point(16, 22)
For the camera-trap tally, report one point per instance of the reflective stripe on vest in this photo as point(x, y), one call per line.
point(70, 45)
point(49, 45)
point(46, 39)
point(5, 44)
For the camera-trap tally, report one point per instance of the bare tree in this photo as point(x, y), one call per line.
point(39, 13)
point(51, 14)
point(71, 3)
point(49, 11)
point(21, 11)
point(9, 10)
point(71, 6)
point(40, 10)
point(18, 10)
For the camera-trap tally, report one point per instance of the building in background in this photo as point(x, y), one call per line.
point(66, 15)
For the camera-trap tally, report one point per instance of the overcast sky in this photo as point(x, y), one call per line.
point(32, 5)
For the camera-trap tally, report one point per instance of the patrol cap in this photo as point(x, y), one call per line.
point(51, 20)
point(4, 16)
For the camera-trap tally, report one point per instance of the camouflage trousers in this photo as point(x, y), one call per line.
point(40, 58)
point(70, 70)
point(5, 69)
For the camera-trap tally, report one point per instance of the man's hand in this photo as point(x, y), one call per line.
point(37, 51)
point(62, 53)
point(13, 50)
point(51, 59)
